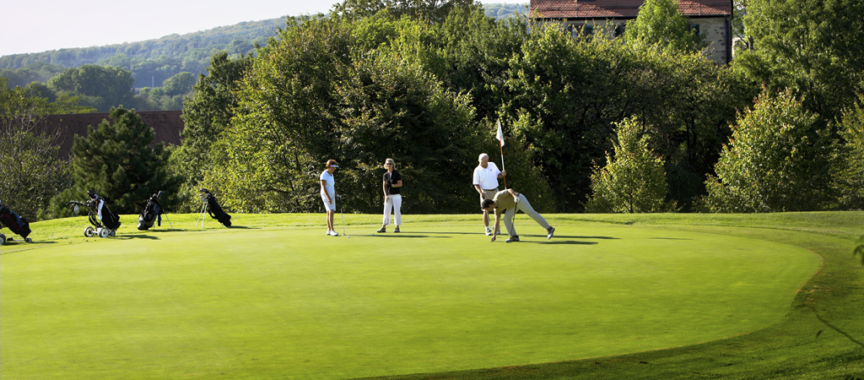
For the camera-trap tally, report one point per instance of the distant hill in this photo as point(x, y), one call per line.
point(153, 61)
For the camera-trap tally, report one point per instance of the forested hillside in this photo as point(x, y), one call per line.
point(154, 61)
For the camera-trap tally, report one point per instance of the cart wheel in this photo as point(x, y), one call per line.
point(113, 233)
point(29, 240)
point(2, 239)
point(89, 232)
point(103, 233)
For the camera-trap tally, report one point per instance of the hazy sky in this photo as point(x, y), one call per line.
point(40, 25)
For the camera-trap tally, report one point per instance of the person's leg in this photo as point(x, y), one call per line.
point(397, 206)
point(525, 206)
point(388, 204)
point(327, 210)
point(485, 215)
point(508, 221)
point(491, 195)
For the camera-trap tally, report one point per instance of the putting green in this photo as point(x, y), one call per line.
point(292, 303)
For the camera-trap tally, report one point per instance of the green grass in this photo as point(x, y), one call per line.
point(646, 296)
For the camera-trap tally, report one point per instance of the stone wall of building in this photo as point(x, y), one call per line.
point(713, 29)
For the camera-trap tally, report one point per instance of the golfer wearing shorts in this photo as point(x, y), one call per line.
point(392, 196)
point(486, 176)
point(328, 194)
point(509, 202)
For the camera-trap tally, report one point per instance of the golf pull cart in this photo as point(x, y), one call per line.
point(17, 224)
point(153, 212)
point(109, 222)
point(211, 206)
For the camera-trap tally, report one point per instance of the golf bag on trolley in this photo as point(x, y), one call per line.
point(101, 217)
point(211, 205)
point(153, 211)
point(17, 224)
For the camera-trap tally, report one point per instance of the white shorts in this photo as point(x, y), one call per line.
point(327, 205)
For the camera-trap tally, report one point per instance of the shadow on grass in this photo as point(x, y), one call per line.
point(558, 242)
point(664, 238)
point(129, 237)
point(411, 236)
point(22, 242)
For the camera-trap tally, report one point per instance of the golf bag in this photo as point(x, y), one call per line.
point(152, 213)
point(17, 224)
point(104, 227)
point(211, 206)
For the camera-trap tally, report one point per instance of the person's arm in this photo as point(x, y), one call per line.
point(502, 174)
point(386, 190)
point(397, 184)
point(324, 190)
point(497, 224)
point(479, 190)
point(514, 194)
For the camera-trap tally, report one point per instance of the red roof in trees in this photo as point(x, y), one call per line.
point(608, 9)
point(167, 126)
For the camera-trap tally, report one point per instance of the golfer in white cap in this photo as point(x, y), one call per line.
point(486, 176)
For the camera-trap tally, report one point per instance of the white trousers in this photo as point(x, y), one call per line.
point(394, 202)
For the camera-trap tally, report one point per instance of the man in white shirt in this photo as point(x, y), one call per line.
point(486, 183)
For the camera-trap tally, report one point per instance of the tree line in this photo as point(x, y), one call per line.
point(153, 61)
point(643, 123)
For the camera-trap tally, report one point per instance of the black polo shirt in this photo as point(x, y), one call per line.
point(392, 180)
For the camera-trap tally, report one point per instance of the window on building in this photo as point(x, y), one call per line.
point(619, 30)
point(694, 28)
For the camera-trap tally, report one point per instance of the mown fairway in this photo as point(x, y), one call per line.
point(278, 299)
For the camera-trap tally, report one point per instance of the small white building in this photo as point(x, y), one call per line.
point(710, 18)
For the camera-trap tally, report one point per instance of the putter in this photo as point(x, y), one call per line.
point(342, 213)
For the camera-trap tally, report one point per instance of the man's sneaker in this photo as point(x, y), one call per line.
point(328, 232)
point(396, 230)
point(550, 231)
point(382, 230)
point(512, 239)
point(488, 232)
point(334, 233)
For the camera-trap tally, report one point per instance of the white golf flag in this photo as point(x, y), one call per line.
point(500, 135)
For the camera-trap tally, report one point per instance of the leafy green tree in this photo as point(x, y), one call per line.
point(432, 10)
point(812, 47)
point(850, 178)
point(777, 160)
point(659, 22)
point(207, 114)
point(179, 84)
point(285, 124)
point(634, 181)
point(98, 86)
point(116, 161)
point(32, 170)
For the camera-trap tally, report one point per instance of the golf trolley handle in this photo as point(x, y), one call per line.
point(76, 203)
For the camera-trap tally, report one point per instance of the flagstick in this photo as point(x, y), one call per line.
point(501, 145)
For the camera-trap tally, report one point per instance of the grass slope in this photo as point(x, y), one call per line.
point(280, 300)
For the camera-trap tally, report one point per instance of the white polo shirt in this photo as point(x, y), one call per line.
point(487, 178)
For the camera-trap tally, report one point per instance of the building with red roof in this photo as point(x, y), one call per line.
point(710, 18)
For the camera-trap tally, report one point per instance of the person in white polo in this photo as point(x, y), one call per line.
point(486, 176)
point(328, 194)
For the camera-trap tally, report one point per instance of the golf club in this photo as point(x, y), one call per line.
point(342, 213)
